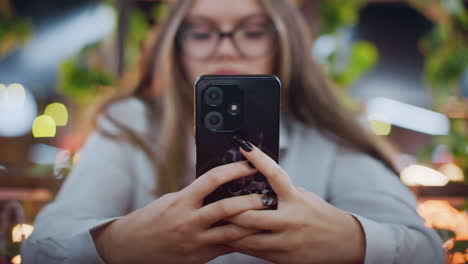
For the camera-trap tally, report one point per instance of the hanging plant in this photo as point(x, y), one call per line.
point(446, 51)
point(362, 58)
point(336, 14)
point(84, 77)
point(445, 47)
point(348, 62)
point(138, 27)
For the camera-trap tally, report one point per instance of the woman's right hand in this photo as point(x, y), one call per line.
point(176, 228)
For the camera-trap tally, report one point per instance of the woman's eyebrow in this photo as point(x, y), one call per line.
point(193, 18)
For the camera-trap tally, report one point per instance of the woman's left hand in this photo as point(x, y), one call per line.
point(304, 228)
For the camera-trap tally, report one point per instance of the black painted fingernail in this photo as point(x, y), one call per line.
point(243, 143)
point(268, 200)
point(251, 165)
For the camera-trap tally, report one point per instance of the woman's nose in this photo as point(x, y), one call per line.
point(227, 48)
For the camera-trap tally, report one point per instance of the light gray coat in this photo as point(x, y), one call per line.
point(113, 178)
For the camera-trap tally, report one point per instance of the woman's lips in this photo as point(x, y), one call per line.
point(227, 72)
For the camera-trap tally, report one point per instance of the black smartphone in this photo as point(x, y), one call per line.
point(244, 105)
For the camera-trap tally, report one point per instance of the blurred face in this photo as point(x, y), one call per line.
point(226, 37)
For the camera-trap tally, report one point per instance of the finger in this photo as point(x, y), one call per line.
point(216, 177)
point(309, 195)
point(302, 190)
point(271, 256)
point(277, 178)
point(273, 242)
point(260, 220)
point(214, 212)
point(225, 234)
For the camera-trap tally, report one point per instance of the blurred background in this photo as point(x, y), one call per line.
point(402, 64)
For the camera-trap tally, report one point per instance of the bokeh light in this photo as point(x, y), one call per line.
point(15, 95)
point(438, 214)
point(18, 109)
point(16, 259)
point(415, 175)
point(44, 126)
point(21, 232)
point(452, 171)
point(58, 112)
point(380, 128)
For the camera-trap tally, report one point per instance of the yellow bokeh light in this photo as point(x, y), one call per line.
point(438, 214)
point(15, 95)
point(380, 128)
point(43, 126)
point(16, 259)
point(20, 232)
point(452, 171)
point(461, 226)
point(459, 257)
point(442, 215)
point(415, 175)
point(58, 112)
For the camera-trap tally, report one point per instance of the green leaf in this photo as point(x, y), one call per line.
point(80, 82)
point(335, 14)
point(363, 57)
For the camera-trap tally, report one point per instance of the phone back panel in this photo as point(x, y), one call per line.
point(260, 126)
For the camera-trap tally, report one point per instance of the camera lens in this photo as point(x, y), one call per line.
point(213, 96)
point(214, 120)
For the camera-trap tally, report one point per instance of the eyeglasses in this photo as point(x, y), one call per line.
point(251, 40)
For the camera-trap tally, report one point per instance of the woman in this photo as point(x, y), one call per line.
point(133, 197)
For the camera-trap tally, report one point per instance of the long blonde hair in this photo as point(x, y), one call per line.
point(307, 95)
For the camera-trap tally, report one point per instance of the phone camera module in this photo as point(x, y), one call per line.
point(213, 96)
point(214, 120)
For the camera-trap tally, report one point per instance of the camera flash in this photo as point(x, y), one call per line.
point(233, 109)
